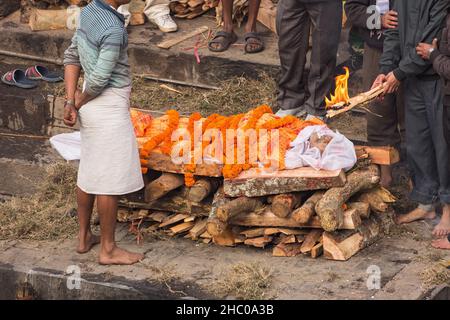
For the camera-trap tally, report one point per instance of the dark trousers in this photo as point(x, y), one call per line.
point(294, 19)
point(427, 148)
point(386, 123)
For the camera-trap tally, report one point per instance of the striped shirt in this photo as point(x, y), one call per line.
point(100, 46)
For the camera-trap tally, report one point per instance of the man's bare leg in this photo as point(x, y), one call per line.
point(443, 227)
point(420, 213)
point(253, 9)
point(109, 252)
point(227, 16)
point(385, 176)
point(86, 240)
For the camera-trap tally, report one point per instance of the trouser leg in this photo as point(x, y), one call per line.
point(154, 8)
point(326, 19)
point(293, 25)
point(425, 141)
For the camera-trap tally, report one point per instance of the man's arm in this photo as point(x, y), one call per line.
point(72, 68)
point(412, 64)
point(107, 61)
point(441, 62)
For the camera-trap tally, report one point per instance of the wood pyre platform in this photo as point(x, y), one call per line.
point(293, 212)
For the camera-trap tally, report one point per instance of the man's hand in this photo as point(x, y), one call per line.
point(70, 115)
point(391, 84)
point(389, 20)
point(379, 81)
point(424, 49)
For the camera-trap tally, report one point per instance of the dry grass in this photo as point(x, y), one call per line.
point(236, 95)
point(46, 214)
point(247, 281)
point(435, 275)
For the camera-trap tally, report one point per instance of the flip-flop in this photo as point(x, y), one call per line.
point(42, 73)
point(253, 35)
point(17, 78)
point(225, 39)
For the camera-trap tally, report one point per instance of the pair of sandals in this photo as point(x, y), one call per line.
point(27, 79)
point(253, 42)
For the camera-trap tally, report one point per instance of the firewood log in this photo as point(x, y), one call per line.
point(306, 211)
point(214, 225)
point(163, 185)
point(202, 188)
point(375, 202)
point(283, 204)
point(237, 206)
point(362, 208)
point(330, 207)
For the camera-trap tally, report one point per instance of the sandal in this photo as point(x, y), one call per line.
point(225, 39)
point(42, 73)
point(17, 78)
point(258, 43)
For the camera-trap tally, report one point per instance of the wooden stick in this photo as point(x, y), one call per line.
point(181, 83)
point(356, 101)
point(180, 38)
point(56, 61)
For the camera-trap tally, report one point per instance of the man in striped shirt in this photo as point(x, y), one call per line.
point(109, 164)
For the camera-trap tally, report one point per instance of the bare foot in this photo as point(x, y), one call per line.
point(119, 256)
point(385, 176)
point(443, 227)
point(86, 243)
point(416, 214)
point(441, 243)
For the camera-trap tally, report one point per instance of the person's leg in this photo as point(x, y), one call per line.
point(327, 24)
point(253, 42)
point(222, 42)
point(443, 243)
point(158, 12)
point(109, 252)
point(420, 96)
point(293, 27)
point(85, 204)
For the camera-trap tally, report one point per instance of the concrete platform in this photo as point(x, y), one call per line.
point(183, 269)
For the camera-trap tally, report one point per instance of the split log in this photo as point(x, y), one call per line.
point(306, 211)
point(237, 206)
point(214, 225)
point(158, 216)
point(310, 241)
point(362, 208)
point(163, 185)
point(254, 232)
point(180, 228)
point(172, 220)
point(137, 19)
point(352, 218)
point(259, 182)
point(198, 229)
point(356, 101)
point(342, 246)
point(317, 250)
point(225, 238)
point(283, 204)
point(374, 201)
point(202, 188)
point(287, 250)
point(267, 219)
point(329, 208)
point(260, 242)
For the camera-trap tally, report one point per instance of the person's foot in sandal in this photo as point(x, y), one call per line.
point(253, 42)
point(17, 78)
point(222, 41)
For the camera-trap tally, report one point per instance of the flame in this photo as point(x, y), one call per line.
point(341, 92)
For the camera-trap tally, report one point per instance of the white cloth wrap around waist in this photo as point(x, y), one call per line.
point(109, 163)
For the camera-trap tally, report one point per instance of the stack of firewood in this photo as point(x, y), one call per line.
point(190, 9)
point(293, 212)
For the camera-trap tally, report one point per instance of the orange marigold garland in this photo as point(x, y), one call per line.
point(189, 168)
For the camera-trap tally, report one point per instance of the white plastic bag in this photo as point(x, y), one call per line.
point(68, 145)
point(338, 154)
